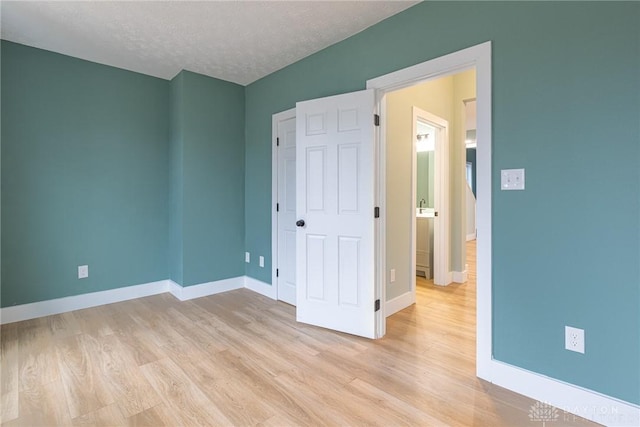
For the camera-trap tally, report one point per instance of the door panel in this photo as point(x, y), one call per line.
point(287, 211)
point(315, 178)
point(335, 198)
point(348, 271)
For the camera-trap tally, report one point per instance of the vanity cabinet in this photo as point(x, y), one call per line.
point(424, 247)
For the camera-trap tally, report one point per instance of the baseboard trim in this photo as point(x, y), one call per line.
point(460, 276)
point(399, 303)
point(184, 293)
point(93, 299)
point(471, 236)
point(567, 397)
point(260, 287)
point(78, 302)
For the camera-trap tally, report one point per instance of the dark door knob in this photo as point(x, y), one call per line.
point(300, 223)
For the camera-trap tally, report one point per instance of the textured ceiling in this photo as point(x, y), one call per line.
point(237, 41)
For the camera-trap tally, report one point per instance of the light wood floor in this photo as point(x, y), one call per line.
point(241, 359)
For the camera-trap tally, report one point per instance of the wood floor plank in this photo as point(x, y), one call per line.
point(262, 384)
point(305, 406)
point(106, 416)
point(9, 406)
point(138, 343)
point(44, 406)
point(147, 418)
point(83, 384)
point(38, 357)
point(130, 390)
point(407, 413)
point(262, 356)
point(238, 403)
point(94, 321)
point(197, 336)
point(9, 358)
point(349, 408)
point(63, 325)
point(188, 404)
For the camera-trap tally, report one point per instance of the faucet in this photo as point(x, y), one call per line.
point(421, 202)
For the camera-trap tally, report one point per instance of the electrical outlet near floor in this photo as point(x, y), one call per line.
point(83, 271)
point(392, 275)
point(247, 257)
point(261, 261)
point(574, 339)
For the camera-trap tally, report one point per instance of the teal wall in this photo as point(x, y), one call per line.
point(565, 97)
point(84, 176)
point(140, 178)
point(207, 188)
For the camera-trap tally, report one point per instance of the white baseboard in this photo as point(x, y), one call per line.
point(184, 293)
point(471, 236)
point(260, 287)
point(77, 302)
point(399, 303)
point(570, 399)
point(460, 276)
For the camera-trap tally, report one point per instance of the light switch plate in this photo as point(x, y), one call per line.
point(512, 179)
point(261, 261)
point(247, 257)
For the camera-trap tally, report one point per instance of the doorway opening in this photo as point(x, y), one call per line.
point(426, 186)
point(429, 191)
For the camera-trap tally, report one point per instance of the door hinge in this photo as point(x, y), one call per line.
point(277, 142)
point(376, 119)
point(277, 207)
point(376, 212)
point(277, 273)
point(377, 305)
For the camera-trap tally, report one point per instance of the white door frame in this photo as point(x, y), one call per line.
point(275, 119)
point(442, 255)
point(479, 57)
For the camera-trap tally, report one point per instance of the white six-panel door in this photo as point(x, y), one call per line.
point(287, 210)
point(335, 199)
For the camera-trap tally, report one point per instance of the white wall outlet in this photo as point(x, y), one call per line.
point(83, 271)
point(392, 275)
point(261, 261)
point(512, 179)
point(574, 339)
point(247, 257)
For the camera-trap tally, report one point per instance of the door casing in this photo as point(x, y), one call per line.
point(478, 57)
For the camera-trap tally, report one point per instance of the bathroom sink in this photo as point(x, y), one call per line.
point(425, 212)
